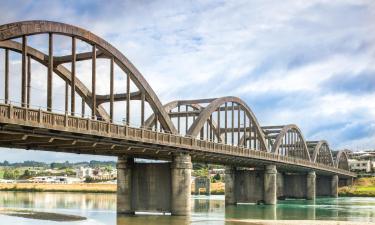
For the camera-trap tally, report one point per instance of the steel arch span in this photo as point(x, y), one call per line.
point(320, 152)
point(287, 140)
point(100, 48)
point(222, 120)
point(341, 161)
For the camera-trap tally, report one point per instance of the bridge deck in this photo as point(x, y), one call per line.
point(41, 130)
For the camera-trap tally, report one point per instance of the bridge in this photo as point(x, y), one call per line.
point(263, 163)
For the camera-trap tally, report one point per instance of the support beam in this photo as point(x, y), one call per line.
point(111, 86)
point(50, 72)
point(73, 82)
point(270, 189)
point(28, 86)
point(128, 99)
point(24, 72)
point(311, 186)
point(66, 96)
point(142, 109)
point(181, 186)
point(6, 77)
point(93, 83)
point(124, 185)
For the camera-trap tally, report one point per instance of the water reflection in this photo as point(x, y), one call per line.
point(53, 200)
point(101, 209)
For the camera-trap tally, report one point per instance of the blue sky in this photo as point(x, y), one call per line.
point(311, 63)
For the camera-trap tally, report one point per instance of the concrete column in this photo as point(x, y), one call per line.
point(334, 186)
point(270, 188)
point(311, 178)
point(181, 185)
point(280, 186)
point(230, 195)
point(124, 185)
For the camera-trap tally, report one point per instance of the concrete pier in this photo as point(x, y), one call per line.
point(124, 185)
point(181, 184)
point(230, 195)
point(311, 186)
point(248, 185)
point(280, 186)
point(270, 188)
point(334, 186)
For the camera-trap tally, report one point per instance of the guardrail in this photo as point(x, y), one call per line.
point(44, 119)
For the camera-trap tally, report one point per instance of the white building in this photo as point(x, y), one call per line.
point(361, 165)
point(83, 172)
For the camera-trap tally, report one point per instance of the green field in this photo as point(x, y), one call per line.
point(363, 187)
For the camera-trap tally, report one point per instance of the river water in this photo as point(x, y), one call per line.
point(101, 209)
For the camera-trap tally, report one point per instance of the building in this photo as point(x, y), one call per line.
point(361, 165)
point(83, 172)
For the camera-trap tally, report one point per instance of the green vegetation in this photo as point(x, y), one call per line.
point(80, 188)
point(363, 187)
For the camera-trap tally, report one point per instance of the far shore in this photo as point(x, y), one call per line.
point(43, 187)
point(358, 190)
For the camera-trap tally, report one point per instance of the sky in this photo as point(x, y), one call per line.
point(310, 63)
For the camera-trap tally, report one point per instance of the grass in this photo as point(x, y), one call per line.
point(363, 187)
point(86, 188)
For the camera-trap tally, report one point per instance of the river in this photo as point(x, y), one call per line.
point(100, 209)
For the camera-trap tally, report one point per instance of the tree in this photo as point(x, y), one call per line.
point(217, 177)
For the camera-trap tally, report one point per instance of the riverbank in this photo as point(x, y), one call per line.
point(296, 222)
point(216, 188)
point(363, 187)
point(82, 188)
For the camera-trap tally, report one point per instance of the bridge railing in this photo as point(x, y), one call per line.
point(54, 121)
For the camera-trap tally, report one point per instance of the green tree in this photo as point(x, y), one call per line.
point(217, 177)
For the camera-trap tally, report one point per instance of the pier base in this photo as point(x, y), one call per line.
point(270, 188)
point(154, 187)
point(311, 186)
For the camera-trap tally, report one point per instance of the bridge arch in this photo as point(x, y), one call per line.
point(320, 152)
point(342, 160)
point(28, 28)
point(287, 140)
point(243, 123)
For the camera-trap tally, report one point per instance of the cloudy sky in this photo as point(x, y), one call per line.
point(311, 63)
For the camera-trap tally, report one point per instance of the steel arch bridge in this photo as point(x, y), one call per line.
point(220, 130)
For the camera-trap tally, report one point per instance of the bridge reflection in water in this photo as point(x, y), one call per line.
point(101, 209)
point(263, 163)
